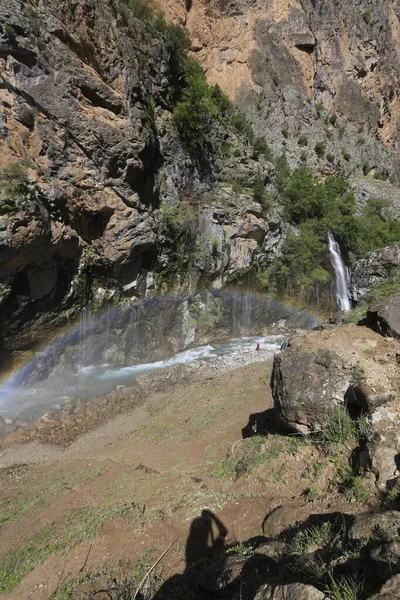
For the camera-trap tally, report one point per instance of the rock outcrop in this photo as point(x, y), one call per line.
point(316, 372)
point(385, 317)
point(86, 100)
point(370, 270)
point(309, 76)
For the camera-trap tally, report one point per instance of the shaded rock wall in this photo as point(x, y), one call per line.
point(86, 106)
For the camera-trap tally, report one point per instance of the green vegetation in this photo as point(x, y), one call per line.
point(316, 208)
point(320, 148)
point(366, 15)
point(307, 540)
point(261, 195)
point(199, 106)
point(339, 428)
point(124, 586)
point(256, 451)
point(345, 588)
point(13, 187)
point(303, 140)
point(73, 529)
point(29, 10)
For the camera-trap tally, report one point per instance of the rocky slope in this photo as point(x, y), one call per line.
point(307, 73)
point(86, 114)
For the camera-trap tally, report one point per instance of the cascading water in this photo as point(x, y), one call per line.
point(342, 281)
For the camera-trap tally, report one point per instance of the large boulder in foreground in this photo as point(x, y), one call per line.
point(385, 317)
point(306, 386)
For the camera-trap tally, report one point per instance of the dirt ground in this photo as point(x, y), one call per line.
point(128, 489)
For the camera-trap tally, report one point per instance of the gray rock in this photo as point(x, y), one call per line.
point(386, 559)
point(389, 591)
point(292, 591)
point(371, 525)
point(385, 317)
point(306, 386)
point(368, 271)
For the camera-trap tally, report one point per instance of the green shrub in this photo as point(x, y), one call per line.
point(141, 9)
point(320, 148)
point(366, 169)
point(13, 187)
point(303, 197)
point(285, 132)
point(260, 146)
point(366, 15)
point(303, 140)
point(333, 120)
point(260, 195)
point(346, 155)
point(319, 107)
point(242, 125)
point(10, 32)
point(330, 158)
point(29, 10)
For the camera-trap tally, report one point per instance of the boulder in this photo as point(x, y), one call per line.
point(368, 397)
point(292, 591)
point(386, 559)
point(285, 517)
point(306, 386)
point(369, 525)
point(384, 446)
point(389, 591)
point(385, 317)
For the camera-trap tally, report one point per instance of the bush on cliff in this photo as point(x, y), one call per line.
point(13, 187)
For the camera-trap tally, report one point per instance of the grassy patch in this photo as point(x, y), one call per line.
point(257, 451)
point(10, 509)
point(73, 529)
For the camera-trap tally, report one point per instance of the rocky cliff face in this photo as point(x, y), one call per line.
point(318, 79)
point(86, 115)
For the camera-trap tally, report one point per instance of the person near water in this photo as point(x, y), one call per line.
point(258, 347)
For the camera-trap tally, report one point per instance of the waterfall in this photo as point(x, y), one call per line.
point(246, 312)
point(84, 326)
point(342, 280)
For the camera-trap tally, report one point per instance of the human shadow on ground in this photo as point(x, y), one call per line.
point(205, 546)
point(238, 571)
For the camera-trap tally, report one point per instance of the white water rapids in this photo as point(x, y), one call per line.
point(99, 380)
point(342, 280)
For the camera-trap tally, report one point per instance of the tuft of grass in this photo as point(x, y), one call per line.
point(338, 428)
point(358, 375)
point(344, 588)
point(240, 548)
point(312, 538)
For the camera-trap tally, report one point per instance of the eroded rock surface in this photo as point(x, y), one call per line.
point(385, 317)
point(279, 59)
point(324, 368)
point(372, 269)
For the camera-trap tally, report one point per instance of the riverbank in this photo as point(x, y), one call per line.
point(78, 415)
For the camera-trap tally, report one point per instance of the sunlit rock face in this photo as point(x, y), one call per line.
point(279, 58)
